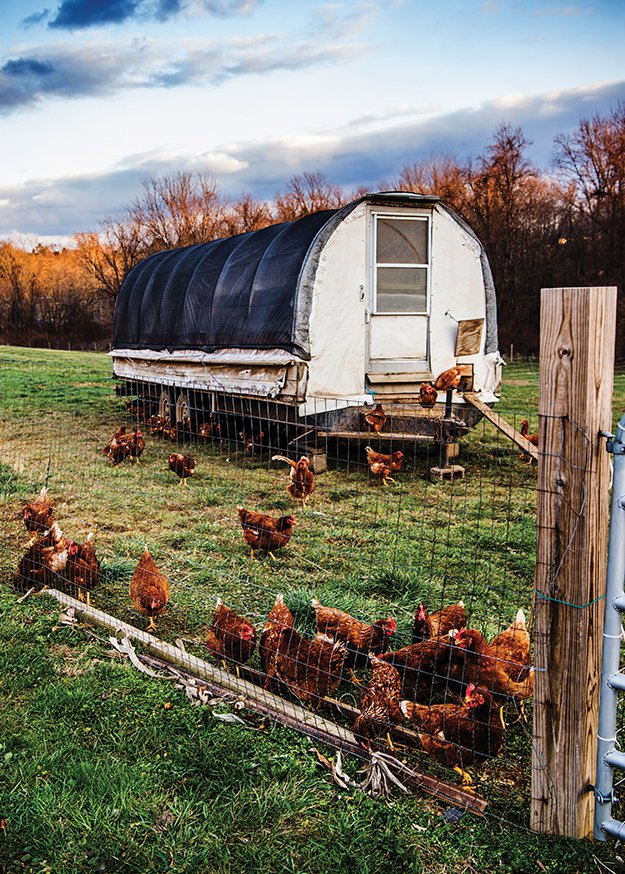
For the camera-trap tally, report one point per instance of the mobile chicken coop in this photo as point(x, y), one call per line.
point(311, 321)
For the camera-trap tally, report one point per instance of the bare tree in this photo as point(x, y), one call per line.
point(243, 215)
point(178, 210)
point(305, 194)
point(19, 284)
point(516, 213)
point(109, 255)
point(441, 175)
point(592, 164)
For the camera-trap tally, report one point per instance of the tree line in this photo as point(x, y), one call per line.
point(562, 227)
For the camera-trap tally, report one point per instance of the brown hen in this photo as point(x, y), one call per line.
point(359, 637)
point(38, 515)
point(448, 379)
point(82, 568)
point(265, 533)
point(279, 617)
point(182, 465)
point(427, 625)
point(511, 649)
point(525, 431)
point(149, 588)
point(301, 480)
point(383, 465)
point(136, 444)
point(310, 668)
point(424, 667)
point(118, 448)
point(42, 561)
point(475, 662)
point(458, 734)
point(427, 395)
point(376, 418)
point(379, 703)
point(230, 636)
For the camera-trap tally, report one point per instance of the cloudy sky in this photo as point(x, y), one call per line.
point(98, 95)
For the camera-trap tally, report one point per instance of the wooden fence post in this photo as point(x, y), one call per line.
point(577, 332)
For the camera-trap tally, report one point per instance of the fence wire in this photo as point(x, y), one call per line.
point(259, 604)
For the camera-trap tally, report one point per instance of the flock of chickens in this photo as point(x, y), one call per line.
point(50, 554)
point(445, 658)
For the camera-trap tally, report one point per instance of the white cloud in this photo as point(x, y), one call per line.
point(349, 156)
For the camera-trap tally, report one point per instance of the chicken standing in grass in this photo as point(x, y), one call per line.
point(310, 668)
point(136, 444)
point(458, 734)
point(379, 703)
point(383, 465)
point(231, 636)
point(43, 560)
point(265, 533)
point(301, 480)
point(182, 465)
point(476, 662)
point(511, 649)
point(279, 617)
point(38, 515)
point(360, 638)
point(425, 667)
point(83, 568)
point(149, 589)
point(427, 625)
point(118, 448)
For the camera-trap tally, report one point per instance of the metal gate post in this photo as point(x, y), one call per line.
point(611, 678)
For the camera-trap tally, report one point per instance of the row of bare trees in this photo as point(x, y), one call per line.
point(565, 227)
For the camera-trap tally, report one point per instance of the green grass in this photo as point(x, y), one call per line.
point(105, 769)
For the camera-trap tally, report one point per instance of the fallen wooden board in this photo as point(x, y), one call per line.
point(399, 436)
point(278, 708)
point(501, 424)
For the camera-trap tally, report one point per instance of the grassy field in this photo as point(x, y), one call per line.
point(108, 770)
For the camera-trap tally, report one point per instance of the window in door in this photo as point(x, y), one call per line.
point(401, 247)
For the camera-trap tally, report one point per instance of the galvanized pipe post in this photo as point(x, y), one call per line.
point(607, 757)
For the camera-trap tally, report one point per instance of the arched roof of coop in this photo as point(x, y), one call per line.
point(250, 291)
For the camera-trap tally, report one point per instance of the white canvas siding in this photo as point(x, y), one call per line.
point(337, 321)
point(457, 289)
point(342, 295)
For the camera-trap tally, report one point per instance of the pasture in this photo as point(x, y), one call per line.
point(105, 769)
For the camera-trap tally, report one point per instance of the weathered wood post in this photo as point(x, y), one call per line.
point(577, 332)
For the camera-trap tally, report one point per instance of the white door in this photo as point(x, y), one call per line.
point(399, 322)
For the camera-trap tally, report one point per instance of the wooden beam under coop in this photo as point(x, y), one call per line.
point(501, 424)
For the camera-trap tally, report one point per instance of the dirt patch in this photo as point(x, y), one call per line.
point(67, 661)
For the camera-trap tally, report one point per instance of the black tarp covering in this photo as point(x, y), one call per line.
point(239, 292)
point(252, 291)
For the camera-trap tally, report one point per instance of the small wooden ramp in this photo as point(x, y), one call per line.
point(507, 429)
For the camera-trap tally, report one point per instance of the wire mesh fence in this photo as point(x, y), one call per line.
point(426, 572)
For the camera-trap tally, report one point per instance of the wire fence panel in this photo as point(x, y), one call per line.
point(387, 600)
